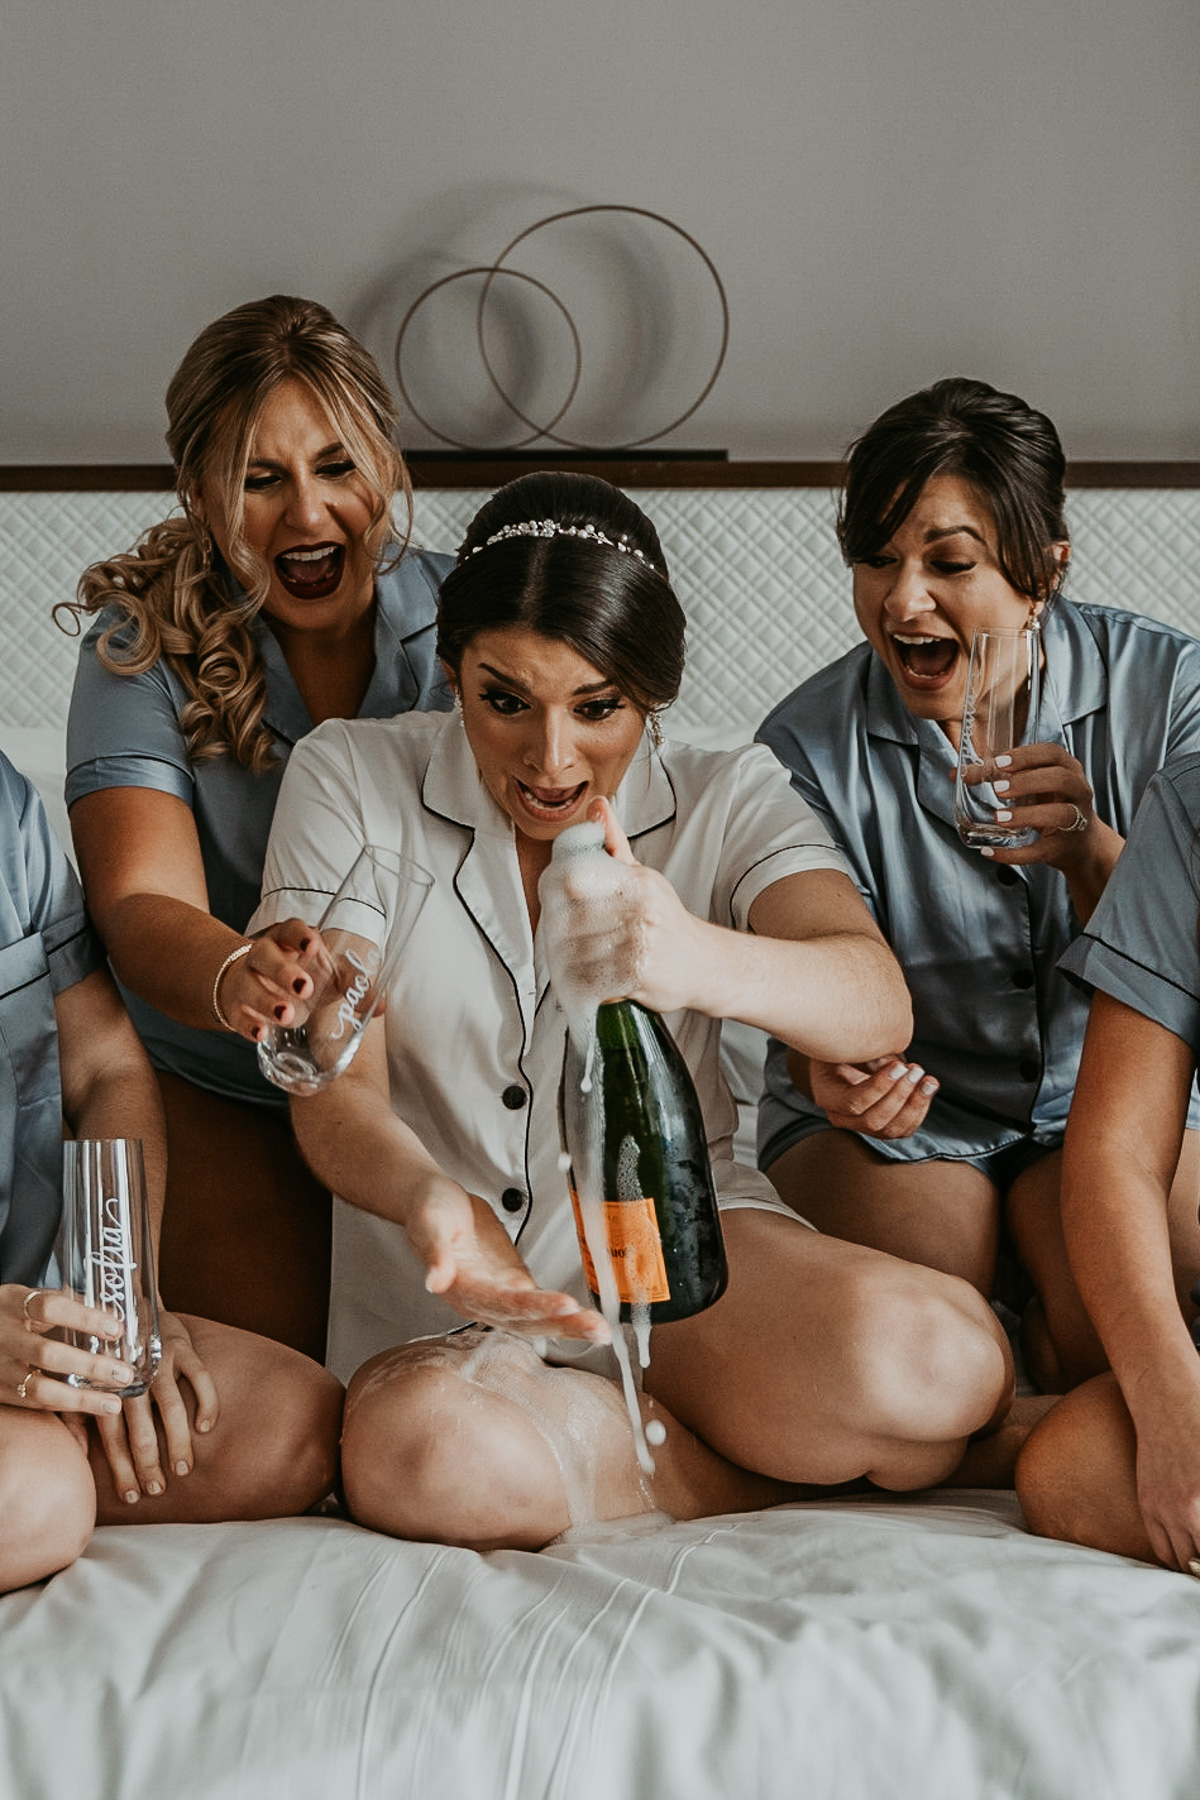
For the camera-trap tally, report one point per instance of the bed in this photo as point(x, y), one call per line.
point(925, 1647)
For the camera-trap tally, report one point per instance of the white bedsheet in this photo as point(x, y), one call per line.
point(925, 1648)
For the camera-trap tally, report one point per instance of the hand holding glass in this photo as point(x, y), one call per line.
point(106, 1258)
point(363, 932)
point(1000, 712)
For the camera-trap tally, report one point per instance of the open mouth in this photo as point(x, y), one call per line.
point(311, 573)
point(549, 804)
point(929, 662)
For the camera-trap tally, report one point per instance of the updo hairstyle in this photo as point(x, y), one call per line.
point(172, 591)
point(615, 608)
point(1008, 453)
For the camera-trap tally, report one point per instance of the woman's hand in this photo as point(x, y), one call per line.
point(30, 1360)
point(883, 1098)
point(1168, 1477)
point(470, 1261)
point(272, 983)
point(131, 1440)
point(636, 941)
point(1043, 786)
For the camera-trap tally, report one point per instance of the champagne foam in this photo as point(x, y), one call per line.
point(572, 1411)
point(578, 893)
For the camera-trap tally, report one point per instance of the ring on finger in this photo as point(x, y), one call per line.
point(33, 1294)
point(23, 1384)
point(1079, 823)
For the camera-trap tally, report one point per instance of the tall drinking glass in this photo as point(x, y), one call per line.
point(1000, 712)
point(105, 1255)
point(363, 933)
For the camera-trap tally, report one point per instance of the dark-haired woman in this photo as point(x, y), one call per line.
point(823, 1362)
point(277, 600)
point(952, 519)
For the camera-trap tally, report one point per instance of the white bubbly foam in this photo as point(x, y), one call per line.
point(571, 1410)
point(579, 893)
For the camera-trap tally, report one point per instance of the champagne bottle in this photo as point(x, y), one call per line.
point(634, 1131)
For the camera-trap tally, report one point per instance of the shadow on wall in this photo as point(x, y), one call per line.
point(536, 315)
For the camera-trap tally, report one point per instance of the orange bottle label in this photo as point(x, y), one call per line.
point(631, 1227)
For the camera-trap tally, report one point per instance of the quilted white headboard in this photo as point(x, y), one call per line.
point(757, 569)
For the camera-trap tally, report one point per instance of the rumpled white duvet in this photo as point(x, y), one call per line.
point(925, 1647)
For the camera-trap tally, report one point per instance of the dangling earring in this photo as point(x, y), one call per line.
point(457, 701)
point(655, 729)
point(202, 537)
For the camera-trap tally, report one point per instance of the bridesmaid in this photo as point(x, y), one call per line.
point(280, 598)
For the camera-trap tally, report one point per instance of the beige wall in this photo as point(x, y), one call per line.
point(892, 190)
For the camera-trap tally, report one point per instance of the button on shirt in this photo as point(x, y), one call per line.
point(124, 731)
point(46, 946)
point(471, 1017)
point(995, 1019)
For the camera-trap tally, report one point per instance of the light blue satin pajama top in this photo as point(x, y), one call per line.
point(996, 1020)
point(46, 946)
point(1142, 943)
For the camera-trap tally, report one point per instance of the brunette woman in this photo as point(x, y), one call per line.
point(953, 519)
point(823, 1362)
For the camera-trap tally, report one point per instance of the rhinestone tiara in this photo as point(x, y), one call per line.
point(550, 528)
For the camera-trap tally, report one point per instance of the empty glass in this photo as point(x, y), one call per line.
point(363, 931)
point(105, 1255)
point(1000, 712)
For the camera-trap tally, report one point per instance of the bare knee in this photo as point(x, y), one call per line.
point(47, 1499)
point(273, 1451)
point(934, 1363)
point(430, 1457)
point(1076, 1475)
point(296, 1461)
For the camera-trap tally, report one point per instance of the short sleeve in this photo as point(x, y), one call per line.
point(770, 833)
point(317, 831)
point(123, 730)
point(42, 895)
point(1142, 943)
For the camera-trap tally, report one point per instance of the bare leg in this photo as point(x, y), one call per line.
point(1058, 1338)
point(943, 1215)
point(272, 1452)
point(1183, 1222)
point(47, 1497)
point(824, 1361)
point(246, 1228)
point(474, 1440)
point(991, 1458)
point(1060, 1343)
point(1077, 1474)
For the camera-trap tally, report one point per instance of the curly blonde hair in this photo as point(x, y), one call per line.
point(171, 600)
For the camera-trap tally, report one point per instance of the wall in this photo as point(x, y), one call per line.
point(891, 189)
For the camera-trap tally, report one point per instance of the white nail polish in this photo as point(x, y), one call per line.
point(1004, 762)
point(1001, 787)
point(1002, 817)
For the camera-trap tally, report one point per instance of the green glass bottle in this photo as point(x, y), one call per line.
point(634, 1131)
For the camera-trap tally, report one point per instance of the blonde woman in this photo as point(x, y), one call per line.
point(278, 598)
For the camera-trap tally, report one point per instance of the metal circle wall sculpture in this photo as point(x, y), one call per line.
point(493, 272)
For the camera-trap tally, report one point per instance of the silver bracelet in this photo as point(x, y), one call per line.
point(234, 956)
